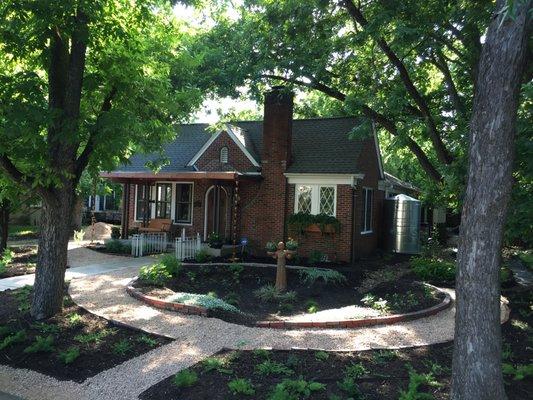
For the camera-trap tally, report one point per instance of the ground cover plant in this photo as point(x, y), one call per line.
point(406, 374)
point(245, 294)
point(18, 260)
point(73, 345)
point(23, 232)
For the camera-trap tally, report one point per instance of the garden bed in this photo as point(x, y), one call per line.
point(312, 294)
point(22, 261)
point(92, 343)
point(375, 374)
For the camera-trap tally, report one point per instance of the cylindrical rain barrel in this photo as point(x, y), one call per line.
point(401, 219)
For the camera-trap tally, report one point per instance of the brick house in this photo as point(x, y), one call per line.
point(245, 180)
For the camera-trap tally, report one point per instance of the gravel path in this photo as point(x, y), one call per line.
point(197, 338)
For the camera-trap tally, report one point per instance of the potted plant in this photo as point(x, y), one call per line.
point(291, 244)
point(215, 241)
point(271, 247)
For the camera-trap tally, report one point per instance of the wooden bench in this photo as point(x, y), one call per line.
point(157, 225)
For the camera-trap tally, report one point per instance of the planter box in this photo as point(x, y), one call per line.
point(226, 250)
point(315, 228)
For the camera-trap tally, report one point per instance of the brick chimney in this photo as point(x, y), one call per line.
point(275, 158)
point(277, 126)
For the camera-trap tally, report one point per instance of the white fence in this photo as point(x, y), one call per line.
point(187, 247)
point(148, 243)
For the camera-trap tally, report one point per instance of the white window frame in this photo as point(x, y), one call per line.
point(172, 202)
point(315, 197)
point(365, 231)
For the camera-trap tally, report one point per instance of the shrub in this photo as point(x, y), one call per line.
point(17, 337)
point(115, 232)
point(430, 269)
point(202, 300)
point(261, 353)
point(316, 256)
point(171, 263)
point(290, 389)
point(94, 337)
point(355, 370)
point(185, 378)
point(312, 306)
point(241, 386)
point(122, 347)
point(349, 386)
point(310, 275)
point(41, 345)
point(269, 293)
point(236, 271)
point(70, 355)
point(269, 367)
point(520, 372)
point(147, 340)
point(214, 240)
point(79, 235)
point(202, 256)
point(415, 381)
point(232, 298)
point(116, 246)
point(377, 303)
point(156, 274)
point(5, 259)
point(321, 355)
point(216, 364)
point(74, 319)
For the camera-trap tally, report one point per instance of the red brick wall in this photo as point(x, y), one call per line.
point(336, 246)
point(210, 160)
point(365, 244)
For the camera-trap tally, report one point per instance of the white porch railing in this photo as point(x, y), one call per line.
point(187, 247)
point(148, 243)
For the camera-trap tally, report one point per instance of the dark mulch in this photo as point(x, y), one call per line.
point(387, 372)
point(94, 357)
point(241, 290)
point(100, 248)
point(23, 261)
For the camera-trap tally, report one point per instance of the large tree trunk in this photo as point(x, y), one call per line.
point(477, 352)
point(52, 254)
point(4, 224)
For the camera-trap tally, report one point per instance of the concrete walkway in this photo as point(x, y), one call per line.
point(197, 338)
point(82, 262)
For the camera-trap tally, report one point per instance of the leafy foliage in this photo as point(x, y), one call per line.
point(216, 364)
point(156, 274)
point(300, 221)
point(171, 263)
point(269, 367)
point(299, 388)
point(321, 355)
point(519, 372)
point(70, 355)
point(350, 387)
point(202, 256)
point(147, 340)
point(269, 293)
point(116, 246)
point(241, 386)
point(415, 382)
point(185, 378)
point(41, 345)
point(17, 337)
point(433, 269)
point(310, 276)
point(202, 300)
point(122, 347)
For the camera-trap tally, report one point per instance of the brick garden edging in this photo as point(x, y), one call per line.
point(358, 323)
point(162, 304)
point(348, 323)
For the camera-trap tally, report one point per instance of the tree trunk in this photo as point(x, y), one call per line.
point(477, 353)
point(77, 213)
point(52, 253)
point(4, 224)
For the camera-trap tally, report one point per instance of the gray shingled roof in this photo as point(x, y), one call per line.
point(318, 146)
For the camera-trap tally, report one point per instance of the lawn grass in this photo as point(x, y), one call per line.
point(23, 231)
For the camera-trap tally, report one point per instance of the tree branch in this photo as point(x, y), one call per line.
point(439, 61)
point(83, 159)
point(14, 173)
point(442, 152)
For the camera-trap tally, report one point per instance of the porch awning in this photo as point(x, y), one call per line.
point(128, 177)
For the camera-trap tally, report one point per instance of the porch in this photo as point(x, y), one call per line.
point(182, 204)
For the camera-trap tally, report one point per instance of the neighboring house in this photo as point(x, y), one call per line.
point(246, 179)
point(106, 207)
